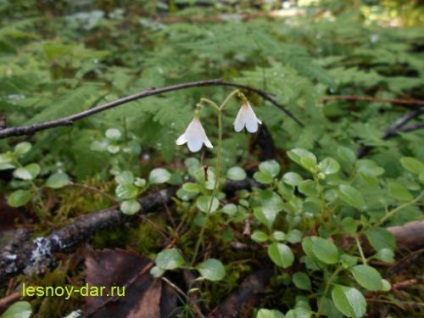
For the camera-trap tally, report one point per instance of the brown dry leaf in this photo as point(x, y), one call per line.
point(128, 270)
point(149, 305)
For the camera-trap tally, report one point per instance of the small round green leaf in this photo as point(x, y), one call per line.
point(207, 204)
point(57, 180)
point(348, 260)
point(211, 269)
point(22, 148)
point(157, 272)
point(324, 250)
point(367, 276)
point(259, 236)
point(6, 166)
point(299, 154)
point(126, 191)
point(270, 167)
point(113, 149)
point(309, 188)
point(22, 173)
point(346, 155)
point(170, 259)
point(385, 255)
point(230, 209)
point(349, 225)
point(99, 145)
point(292, 178)
point(125, 177)
point(130, 207)
point(351, 196)
point(294, 236)
point(191, 187)
point(271, 201)
point(265, 217)
point(20, 309)
point(279, 235)
point(269, 313)
point(184, 195)
point(349, 301)
point(399, 192)
point(301, 281)
point(386, 285)
point(113, 134)
point(263, 177)
point(380, 238)
point(236, 174)
point(159, 175)
point(412, 165)
point(368, 167)
point(19, 198)
point(329, 166)
point(271, 205)
point(29, 172)
point(281, 254)
point(140, 182)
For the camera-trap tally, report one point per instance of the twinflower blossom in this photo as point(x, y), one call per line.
point(194, 136)
point(246, 117)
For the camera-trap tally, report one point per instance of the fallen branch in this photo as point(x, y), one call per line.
point(23, 255)
point(35, 256)
point(409, 236)
point(408, 283)
point(394, 129)
point(8, 300)
point(275, 14)
point(409, 102)
point(69, 120)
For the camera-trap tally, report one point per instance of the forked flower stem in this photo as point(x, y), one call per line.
point(205, 100)
point(217, 169)
point(228, 98)
point(215, 188)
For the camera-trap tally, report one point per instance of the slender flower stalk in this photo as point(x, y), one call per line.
point(216, 185)
point(246, 117)
point(194, 135)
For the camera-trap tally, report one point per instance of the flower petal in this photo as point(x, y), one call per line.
point(194, 145)
point(194, 136)
point(252, 121)
point(240, 120)
point(208, 143)
point(181, 140)
point(246, 117)
point(252, 125)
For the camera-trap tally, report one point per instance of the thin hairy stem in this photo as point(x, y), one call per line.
point(216, 186)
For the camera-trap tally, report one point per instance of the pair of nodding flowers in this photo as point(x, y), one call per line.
point(195, 135)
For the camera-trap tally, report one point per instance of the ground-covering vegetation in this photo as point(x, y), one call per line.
point(305, 216)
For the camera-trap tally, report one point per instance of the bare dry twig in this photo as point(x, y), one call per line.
point(405, 102)
point(394, 129)
point(69, 120)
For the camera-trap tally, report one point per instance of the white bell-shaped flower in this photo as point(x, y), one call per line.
point(194, 136)
point(246, 117)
